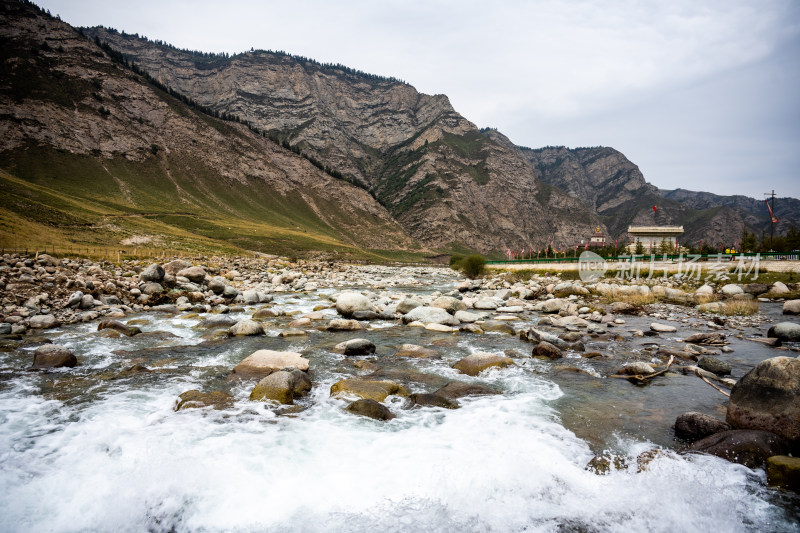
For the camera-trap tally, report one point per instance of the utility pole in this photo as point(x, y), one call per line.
point(772, 218)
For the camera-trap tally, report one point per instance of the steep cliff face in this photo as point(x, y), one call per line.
point(448, 183)
point(84, 137)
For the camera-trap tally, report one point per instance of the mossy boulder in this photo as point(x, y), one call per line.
point(474, 364)
point(377, 390)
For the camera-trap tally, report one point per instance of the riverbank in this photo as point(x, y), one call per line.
point(496, 402)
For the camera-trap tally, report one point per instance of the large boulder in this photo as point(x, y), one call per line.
point(785, 331)
point(192, 399)
point(355, 347)
point(376, 390)
point(744, 446)
point(153, 273)
point(217, 284)
point(343, 324)
point(546, 350)
point(459, 389)
point(552, 306)
point(430, 315)
point(53, 356)
point(694, 426)
point(662, 328)
point(407, 304)
point(433, 400)
point(731, 289)
point(791, 307)
point(473, 364)
point(348, 303)
point(173, 267)
point(195, 274)
point(419, 352)
point(370, 408)
point(449, 304)
point(715, 365)
point(278, 386)
point(784, 472)
point(246, 327)
point(116, 325)
point(768, 398)
point(262, 363)
point(43, 322)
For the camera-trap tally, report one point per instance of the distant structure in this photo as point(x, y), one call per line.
point(652, 237)
point(597, 240)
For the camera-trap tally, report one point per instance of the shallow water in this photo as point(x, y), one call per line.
point(100, 448)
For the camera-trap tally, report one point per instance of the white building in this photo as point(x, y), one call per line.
point(652, 237)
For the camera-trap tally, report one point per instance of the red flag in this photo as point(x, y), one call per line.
point(771, 214)
point(655, 208)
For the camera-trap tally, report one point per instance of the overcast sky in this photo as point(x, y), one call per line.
point(703, 95)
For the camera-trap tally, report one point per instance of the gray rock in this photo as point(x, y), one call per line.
point(748, 447)
point(486, 304)
point(467, 317)
point(694, 426)
point(341, 324)
point(87, 302)
point(768, 398)
point(636, 368)
point(278, 386)
point(348, 303)
point(230, 292)
point(407, 305)
point(458, 389)
point(497, 326)
point(246, 327)
point(53, 356)
point(154, 273)
point(791, 307)
point(662, 328)
point(74, 299)
point(195, 274)
point(731, 289)
point(545, 349)
point(449, 304)
point(785, 331)
point(430, 315)
point(5, 328)
point(475, 363)
point(217, 284)
point(756, 288)
point(712, 364)
point(43, 322)
point(779, 288)
point(173, 267)
point(356, 347)
point(371, 409)
point(433, 400)
point(535, 335)
point(118, 326)
point(110, 299)
point(152, 288)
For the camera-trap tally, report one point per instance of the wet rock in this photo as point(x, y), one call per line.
point(785, 331)
point(694, 426)
point(430, 315)
point(292, 332)
point(756, 288)
point(216, 321)
point(246, 327)
point(370, 408)
point(706, 339)
point(341, 324)
point(712, 364)
point(217, 284)
point(791, 307)
point(195, 274)
point(768, 398)
point(5, 328)
point(53, 356)
point(261, 363)
point(602, 465)
point(193, 399)
point(486, 304)
point(705, 291)
point(368, 315)
point(467, 317)
point(412, 350)
point(624, 308)
point(552, 306)
point(152, 288)
point(470, 328)
point(278, 386)
point(43, 322)
point(744, 446)
point(433, 400)
point(368, 389)
point(662, 328)
point(128, 331)
point(458, 389)
point(636, 368)
point(475, 363)
point(153, 273)
point(266, 312)
point(534, 335)
point(711, 307)
point(407, 305)
point(449, 304)
point(74, 299)
point(497, 326)
point(300, 323)
point(348, 303)
point(784, 472)
point(545, 349)
point(355, 347)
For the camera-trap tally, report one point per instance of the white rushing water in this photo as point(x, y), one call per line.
point(127, 462)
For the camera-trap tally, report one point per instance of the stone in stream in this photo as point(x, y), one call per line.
point(153, 272)
point(744, 446)
point(74, 299)
point(53, 356)
point(467, 317)
point(342, 324)
point(266, 312)
point(474, 364)
point(791, 307)
point(768, 398)
point(433, 400)
point(348, 303)
point(278, 386)
point(449, 304)
point(420, 352)
point(784, 472)
point(371, 409)
point(547, 350)
point(624, 308)
point(195, 274)
point(497, 326)
point(261, 363)
point(246, 327)
point(534, 335)
point(216, 321)
point(430, 315)
point(712, 364)
point(636, 368)
point(217, 284)
point(694, 426)
point(662, 328)
point(129, 331)
point(355, 347)
point(43, 322)
point(407, 305)
point(706, 338)
point(459, 389)
point(193, 399)
point(368, 389)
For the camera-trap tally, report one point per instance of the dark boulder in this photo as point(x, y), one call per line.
point(371, 409)
point(694, 426)
point(744, 446)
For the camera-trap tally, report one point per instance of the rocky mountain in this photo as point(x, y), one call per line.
point(615, 188)
point(92, 153)
point(448, 183)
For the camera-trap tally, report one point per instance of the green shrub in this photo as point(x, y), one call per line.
point(473, 265)
point(455, 261)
